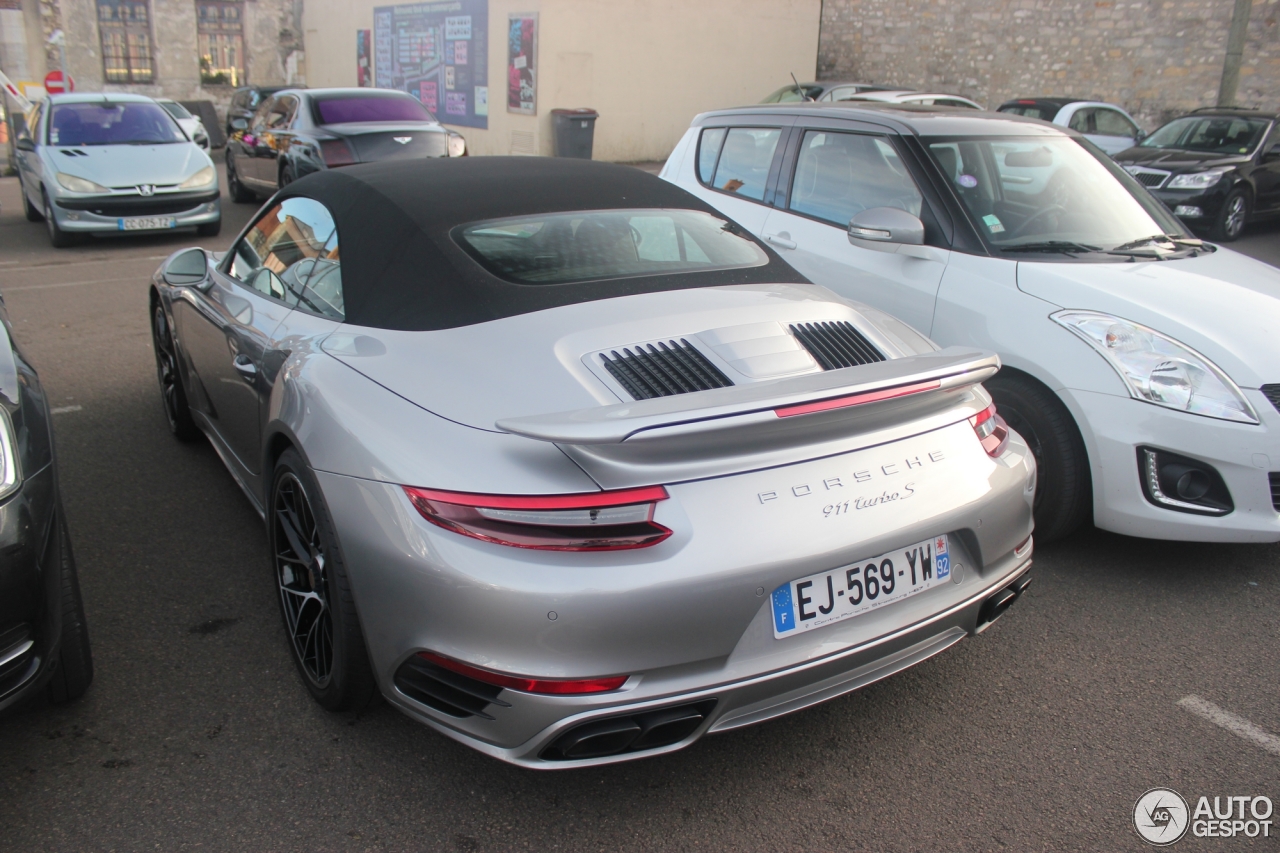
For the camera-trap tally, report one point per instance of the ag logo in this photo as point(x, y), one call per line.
point(1161, 816)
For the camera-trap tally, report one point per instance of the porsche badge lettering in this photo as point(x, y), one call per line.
point(834, 484)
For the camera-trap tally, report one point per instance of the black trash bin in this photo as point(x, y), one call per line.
point(574, 131)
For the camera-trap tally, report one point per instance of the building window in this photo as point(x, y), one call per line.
point(125, 28)
point(220, 35)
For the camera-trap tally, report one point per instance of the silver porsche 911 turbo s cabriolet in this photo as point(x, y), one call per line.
point(573, 469)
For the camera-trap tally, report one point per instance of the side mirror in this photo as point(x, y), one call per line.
point(1140, 135)
point(239, 124)
point(24, 143)
point(885, 229)
point(186, 268)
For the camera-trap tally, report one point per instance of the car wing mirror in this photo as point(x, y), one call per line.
point(885, 229)
point(1139, 135)
point(187, 268)
point(239, 124)
point(24, 143)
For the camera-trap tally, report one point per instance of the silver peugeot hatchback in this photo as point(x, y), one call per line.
point(104, 163)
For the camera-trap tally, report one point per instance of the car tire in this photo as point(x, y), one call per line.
point(57, 237)
point(239, 193)
point(173, 396)
point(286, 177)
point(316, 603)
point(29, 210)
point(1064, 491)
point(73, 670)
point(209, 229)
point(1232, 218)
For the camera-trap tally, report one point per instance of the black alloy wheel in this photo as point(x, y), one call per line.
point(1064, 490)
point(174, 397)
point(1232, 218)
point(239, 193)
point(315, 595)
point(286, 177)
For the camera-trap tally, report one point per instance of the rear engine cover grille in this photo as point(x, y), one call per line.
point(1275, 490)
point(663, 370)
point(631, 733)
point(836, 345)
point(1272, 393)
point(448, 692)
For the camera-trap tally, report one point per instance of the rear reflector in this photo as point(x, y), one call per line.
point(548, 686)
point(992, 431)
point(336, 152)
point(598, 521)
point(856, 399)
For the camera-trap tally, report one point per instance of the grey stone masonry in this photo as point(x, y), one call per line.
point(1156, 58)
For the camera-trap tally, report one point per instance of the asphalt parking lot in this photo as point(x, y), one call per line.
point(197, 733)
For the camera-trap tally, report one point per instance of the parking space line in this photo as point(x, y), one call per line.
point(68, 284)
point(63, 409)
point(1237, 725)
point(56, 265)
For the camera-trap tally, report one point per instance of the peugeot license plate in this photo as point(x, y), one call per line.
point(848, 591)
point(147, 223)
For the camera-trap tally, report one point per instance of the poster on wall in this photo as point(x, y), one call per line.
point(437, 52)
point(522, 72)
point(364, 71)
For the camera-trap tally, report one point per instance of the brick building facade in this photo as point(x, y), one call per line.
point(1156, 58)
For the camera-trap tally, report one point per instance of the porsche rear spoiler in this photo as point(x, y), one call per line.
point(707, 433)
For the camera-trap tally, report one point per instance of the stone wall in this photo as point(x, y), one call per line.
point(1156, 58)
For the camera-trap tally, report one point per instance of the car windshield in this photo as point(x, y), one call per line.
point(790, 94)
point(557, 248)
point(370, 108)
point(1213, 134)
point(1031, 111)
point(175, 109)
point(1050, 194)
point(105, 123)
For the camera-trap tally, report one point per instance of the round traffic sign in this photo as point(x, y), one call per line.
point(54, 86)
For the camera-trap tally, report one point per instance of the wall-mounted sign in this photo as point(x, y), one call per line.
point(437, 52)
point(522, 56)
point(364, 70)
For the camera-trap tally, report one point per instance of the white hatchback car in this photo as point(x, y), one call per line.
point(1105, 125)
point(1139, 361)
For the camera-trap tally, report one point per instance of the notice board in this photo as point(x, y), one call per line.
point(439, 53)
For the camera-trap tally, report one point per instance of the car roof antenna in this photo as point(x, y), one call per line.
point(799, 91)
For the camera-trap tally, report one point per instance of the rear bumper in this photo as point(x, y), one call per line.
point(688, 619)
point(743, 703)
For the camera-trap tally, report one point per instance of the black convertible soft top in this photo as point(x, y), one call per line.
point(401, 269)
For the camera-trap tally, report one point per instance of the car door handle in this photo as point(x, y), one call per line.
point(245, 367)
point(783, 240)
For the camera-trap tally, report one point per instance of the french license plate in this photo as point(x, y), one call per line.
point(851, 590)
point(147, 223)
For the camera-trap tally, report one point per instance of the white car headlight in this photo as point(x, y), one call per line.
point(1198, 180)
point(1158, 369)
point(10, 476)
point(202, 178)
point(80, 185)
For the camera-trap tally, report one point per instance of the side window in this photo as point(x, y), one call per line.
point(259, 121)
point(708, 152)
point(1112, 123)
point(743, 168)
point(839, 174)
point(281, 112)
point(1080, 121)
point(291, 255)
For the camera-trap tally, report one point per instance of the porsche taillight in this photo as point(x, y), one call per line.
point(336, 152)
point(992, 431)
point(598, 521)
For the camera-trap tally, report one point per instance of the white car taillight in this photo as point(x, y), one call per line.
point(991, 429)
point(598, 521)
